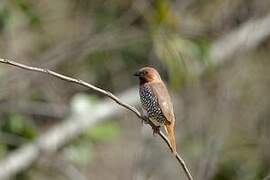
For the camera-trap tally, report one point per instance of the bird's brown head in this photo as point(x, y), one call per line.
point(147, 74)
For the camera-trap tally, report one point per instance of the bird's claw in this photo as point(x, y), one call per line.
point(145, 120)
point(156, 130)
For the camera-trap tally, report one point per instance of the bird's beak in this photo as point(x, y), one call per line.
point(137, 73)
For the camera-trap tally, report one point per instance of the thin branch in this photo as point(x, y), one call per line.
point(106, 93)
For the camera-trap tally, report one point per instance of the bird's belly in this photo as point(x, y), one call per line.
point(158, 120)
point(151, 106)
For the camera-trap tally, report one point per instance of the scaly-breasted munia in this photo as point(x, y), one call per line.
point(156, 102)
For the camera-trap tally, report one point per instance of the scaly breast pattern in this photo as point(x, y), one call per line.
point(150, 104)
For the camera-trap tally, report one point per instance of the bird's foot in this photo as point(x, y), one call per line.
point(156, 130)
point(145, 119)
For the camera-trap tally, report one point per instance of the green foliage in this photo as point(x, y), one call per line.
point(227, 171)
point(160, 15)
point(106, 13)
point(3, 150)
point(28, 10)
point(106, 131)
point(16, 124)
point(4, 18)
point(263, 169)
point(79, 152)
point(133, 54)
point(184, 58)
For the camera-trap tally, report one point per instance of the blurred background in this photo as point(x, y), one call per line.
point(213, 54)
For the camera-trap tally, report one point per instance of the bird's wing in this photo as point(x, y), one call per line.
point(160, 91)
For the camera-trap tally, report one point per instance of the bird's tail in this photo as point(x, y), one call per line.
point(170, 134)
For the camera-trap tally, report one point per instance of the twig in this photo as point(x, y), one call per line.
point(104, 92)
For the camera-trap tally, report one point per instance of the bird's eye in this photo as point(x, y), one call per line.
point(145, 72)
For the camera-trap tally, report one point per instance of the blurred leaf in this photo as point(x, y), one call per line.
point(17, 125)
point(183, 57)
point(161, 10)
point(263, 169)
point(161, 15)
point(29, 12)
point(103, 132)
point(4, 18)
point(105, 14)
point(227, 170)
point(79, 153)
point(3, 150)
point(134, 53)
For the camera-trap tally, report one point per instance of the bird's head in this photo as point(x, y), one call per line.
point(147, 74)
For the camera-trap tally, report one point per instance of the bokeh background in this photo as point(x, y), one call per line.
point(218, 74)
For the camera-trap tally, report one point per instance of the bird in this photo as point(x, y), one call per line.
point(156, 103)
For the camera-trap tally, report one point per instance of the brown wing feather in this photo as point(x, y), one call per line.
point(160, 91)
